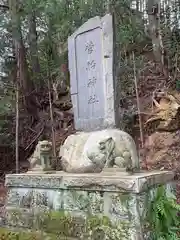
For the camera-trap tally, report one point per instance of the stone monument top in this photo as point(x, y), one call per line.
point(90, 51)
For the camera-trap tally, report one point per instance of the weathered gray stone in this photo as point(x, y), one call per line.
point(76, 200)
point(122, 199)
point(91, 75)
point(41, 159)
point(135, 183)
point(19, 217)
point(95, 151)
point(117, 205)
point(97, 202)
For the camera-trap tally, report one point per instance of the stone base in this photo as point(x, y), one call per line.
point(37, 172)
point(117, 171)
point(84, 198)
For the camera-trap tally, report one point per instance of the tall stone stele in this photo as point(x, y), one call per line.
point(94, 92)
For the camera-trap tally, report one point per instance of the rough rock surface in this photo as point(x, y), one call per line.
point(161, 150)
point(83, 152)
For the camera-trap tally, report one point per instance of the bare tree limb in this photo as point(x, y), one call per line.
point(51, 116)
point(4, 7)
point(138, 102)
point(17, 121)
point(36, 137)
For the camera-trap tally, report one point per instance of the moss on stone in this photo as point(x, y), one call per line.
point(20, 218)
point(125, 198)
point(8, 234)
point(98, 227)
point(61, 223)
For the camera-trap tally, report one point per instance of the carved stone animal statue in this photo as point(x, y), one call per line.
point(95, 151)
point(108, 156)
point(41, 158)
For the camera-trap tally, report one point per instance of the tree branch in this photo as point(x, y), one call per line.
point(5, 7)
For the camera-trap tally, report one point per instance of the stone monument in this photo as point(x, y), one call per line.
point(99, 145)
point(101, 174)
point(93, 92)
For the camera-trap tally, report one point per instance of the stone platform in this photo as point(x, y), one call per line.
point(118, 197)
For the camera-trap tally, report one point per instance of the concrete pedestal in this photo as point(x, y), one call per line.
point(119, 198)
